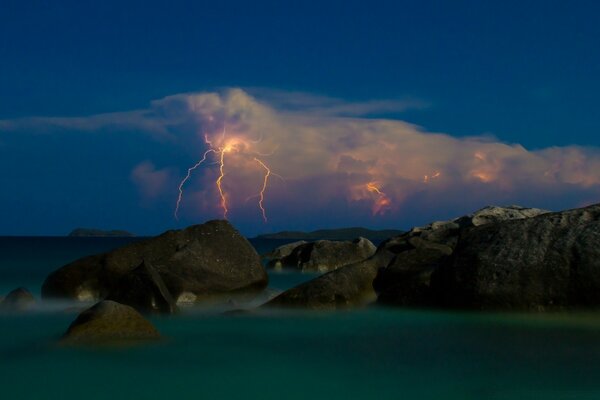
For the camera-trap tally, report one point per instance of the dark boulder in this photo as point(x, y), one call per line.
point(212, 259)
point(345, 287)
point(407, 281)
point(551, 261)
point(327, 255)
point(110, 323)
point(17, 300)
point(144, 289)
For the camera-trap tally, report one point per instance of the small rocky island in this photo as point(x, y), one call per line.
point(91, 232)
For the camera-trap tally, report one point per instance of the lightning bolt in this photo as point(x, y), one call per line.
point(382, 202)
point(187, 177)
point(228, 146)
point(220, 179)
point(264, 187)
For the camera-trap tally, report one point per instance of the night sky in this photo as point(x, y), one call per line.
point(379, 114)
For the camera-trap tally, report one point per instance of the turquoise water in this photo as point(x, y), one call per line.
point(373, 353)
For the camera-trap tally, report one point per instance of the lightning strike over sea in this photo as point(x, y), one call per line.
point(231, 145)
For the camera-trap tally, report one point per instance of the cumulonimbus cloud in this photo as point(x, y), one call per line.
point(324, 156)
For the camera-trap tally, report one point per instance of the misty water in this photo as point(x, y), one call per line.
point(369, 353)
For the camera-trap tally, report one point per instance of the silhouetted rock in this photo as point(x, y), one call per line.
point(348, 286)
point(201, 261)
point(144, 289)
point(546, 262)
point(110, 323)
point(325, 255)
point(91, 232)
point(17, 300)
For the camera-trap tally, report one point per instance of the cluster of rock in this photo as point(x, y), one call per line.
point(500, 258)
point(321, 255)
point(207, 261)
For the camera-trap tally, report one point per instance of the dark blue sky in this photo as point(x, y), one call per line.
point(526, 72)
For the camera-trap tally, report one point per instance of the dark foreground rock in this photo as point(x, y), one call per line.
point(548, 262)
point(407, 281)
point(348, 286)
point(17, 300)
point(109, 323)
point(200, 261)
point(144, 289)
point(325, 255)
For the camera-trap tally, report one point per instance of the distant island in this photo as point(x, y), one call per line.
point(334, 234)
point(90, 232)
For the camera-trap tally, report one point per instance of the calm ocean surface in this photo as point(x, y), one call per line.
point(374, 353)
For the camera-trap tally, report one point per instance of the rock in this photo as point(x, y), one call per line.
point(144, 289)
point(17, 300)
point(201, 261)
point(326, 255)
point(274, 258)
point(407, 280)
point(491, 214)
point(110, 323)
point(345, 287)
point(551, 261)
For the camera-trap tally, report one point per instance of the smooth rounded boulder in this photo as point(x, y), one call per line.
point(17, 300)
point(548, 262)
point(327, 255)
point(109, 323)
point(198, 262)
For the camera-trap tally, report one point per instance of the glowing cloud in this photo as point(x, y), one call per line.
point(370, 169)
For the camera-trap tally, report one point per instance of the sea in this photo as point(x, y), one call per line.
point(372, 353)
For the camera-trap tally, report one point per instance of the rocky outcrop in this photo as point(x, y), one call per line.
point(348, 286)
point(144, 289)
point(201, 261)
point(274, 258)
point(17, 300)
point(407, 281)
point(547, 262)
point(109, 323)
point(326, 255)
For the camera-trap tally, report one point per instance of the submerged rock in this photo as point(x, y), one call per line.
point(200, 261)
point(109, 323)
point(547, 262)
point(144, 289)
point(326, 255)
point(17, 300)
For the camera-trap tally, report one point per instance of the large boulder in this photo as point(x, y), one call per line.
point(110, 323)
point(212, 259)
point(551, 261)
point(327, 255)
point(407, 281)
point(345, 287)
point(144, 289)
point(17, 300)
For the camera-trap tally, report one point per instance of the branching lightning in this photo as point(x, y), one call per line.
point(236, 145)
point(264, 187)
